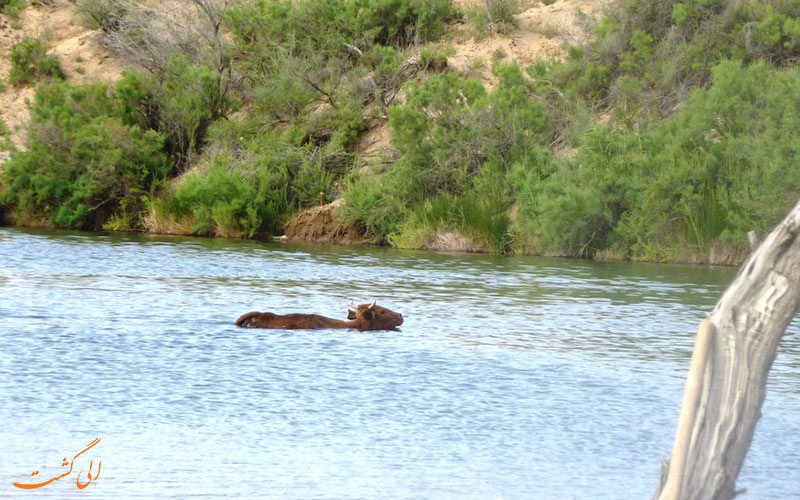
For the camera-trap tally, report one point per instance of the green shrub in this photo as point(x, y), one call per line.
point(339, 126)
point(373, 206)
point(84, 164)
point(30, 61)
point(578, 75)
point(722, 167)
point(385, 62)
point(400, 22)
point(250, 188)
point(181, 105)
point(451, 129)
point(435, 60)
point(498, 13)
point(11, 8)
point(484, 220)
point(228, 197)
point(327, 26)
point(277, 94)
point(670, 48)
point(457, 144)
point(6, 144)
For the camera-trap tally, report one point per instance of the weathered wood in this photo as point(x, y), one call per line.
point(716, 423)
point(691, 398)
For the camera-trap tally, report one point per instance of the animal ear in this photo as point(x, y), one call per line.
point(368, 315)
point(352, 314)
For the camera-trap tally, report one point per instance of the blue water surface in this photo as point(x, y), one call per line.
point(511, 378)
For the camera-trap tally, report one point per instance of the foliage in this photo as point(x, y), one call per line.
point(696, 147)
point(400, 22)
point(499, 14)
point(454, 136)
point(11, 8)
point(6, 144)
point(182, 104)
point(485, 221)
point(226, 197)
point(434, 59)
point(373, 206)
point(84, 163)
point(30, 61)
point(249, 191)
point(185, 79)
point(722, 167)
point(458, 143)
point(316, 65)
point(328, 26)
point(647, 57)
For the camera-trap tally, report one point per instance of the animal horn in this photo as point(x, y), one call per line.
point(353, 306)
point(372, 305)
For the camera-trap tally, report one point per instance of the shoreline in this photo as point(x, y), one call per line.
point(286, 240)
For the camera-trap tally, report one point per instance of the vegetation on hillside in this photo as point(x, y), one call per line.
point(670, 134)
point(88, 162)
point(30, 62)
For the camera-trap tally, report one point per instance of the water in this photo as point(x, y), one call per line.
point(512, 378)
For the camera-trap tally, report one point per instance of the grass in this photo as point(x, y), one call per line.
point(493, 16)
point(545, 29)
point(467, 223)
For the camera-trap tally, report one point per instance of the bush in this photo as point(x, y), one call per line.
point(227, 200)
point(372, 206)
point(451, 130)
point(648, 57)
point(499, 13)
point(485, 221)
point(30, 61)
point(327, 26)
point(435, 60)
point(84, 164)
point(722, 167)
point(457, 144)
point(182, 104)
point(250, 189)
point(401, 22)
point(11, 8)
point(187, 81)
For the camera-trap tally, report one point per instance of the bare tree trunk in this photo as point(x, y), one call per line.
point(727, 378)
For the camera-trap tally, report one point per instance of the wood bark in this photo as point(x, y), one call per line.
point(726, 385)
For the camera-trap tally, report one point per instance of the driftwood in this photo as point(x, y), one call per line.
point(727, 379)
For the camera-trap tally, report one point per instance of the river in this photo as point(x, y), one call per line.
point(511, 378)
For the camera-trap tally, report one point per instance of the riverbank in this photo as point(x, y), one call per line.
point(540, 128)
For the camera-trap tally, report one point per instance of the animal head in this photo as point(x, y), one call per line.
point(372, 317)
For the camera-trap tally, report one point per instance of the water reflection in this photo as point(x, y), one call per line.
point(510, 378)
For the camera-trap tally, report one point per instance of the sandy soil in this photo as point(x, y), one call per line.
point(543, 31)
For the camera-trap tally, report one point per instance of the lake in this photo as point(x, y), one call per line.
point(511, 378)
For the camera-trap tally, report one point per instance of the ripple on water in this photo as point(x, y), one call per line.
point(510, 378)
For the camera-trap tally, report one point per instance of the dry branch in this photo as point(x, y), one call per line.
point(717, 423)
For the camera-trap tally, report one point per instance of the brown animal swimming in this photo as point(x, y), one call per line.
point(363, 317)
